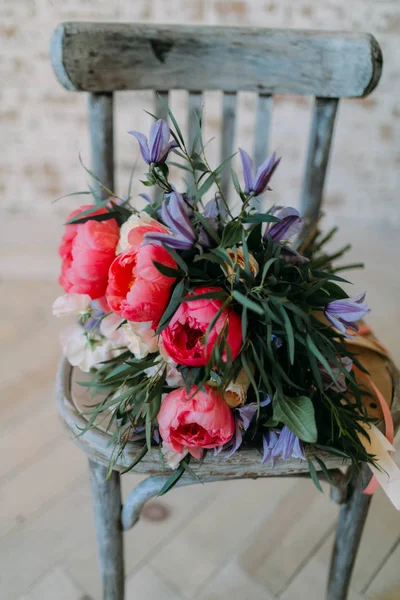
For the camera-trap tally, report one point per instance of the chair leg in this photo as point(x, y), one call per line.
point(352, 517)
point(107, 511)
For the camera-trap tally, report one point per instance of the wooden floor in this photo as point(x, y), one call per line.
point(229, 541)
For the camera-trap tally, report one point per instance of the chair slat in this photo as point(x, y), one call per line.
point(161, 110)
point(194, 108)
point(263, 124)
point(101, 129)
point(323, 121)
point(98, 57)
point(228, 135)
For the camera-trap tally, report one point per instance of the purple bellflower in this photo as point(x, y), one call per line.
point(282, 443)
point(343, 313)
point(256, 182)
point(243, 417)
point(174, 215)
point(290, 223)
point(211, 213)
point(155, 149)
point(339, 384)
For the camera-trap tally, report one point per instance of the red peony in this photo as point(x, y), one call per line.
point(195, 420)
point(137, 291)
point(87, 251)
point(183, 339)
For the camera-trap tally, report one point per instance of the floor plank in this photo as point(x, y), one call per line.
point(231, 582)
point(148, 585)
point(217, 533)
point(386, 584)
point(286, 539)
point(55, 585)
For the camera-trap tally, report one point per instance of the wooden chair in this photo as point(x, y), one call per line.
point(104, 58)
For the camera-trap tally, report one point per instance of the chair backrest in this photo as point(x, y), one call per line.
point(102, 58)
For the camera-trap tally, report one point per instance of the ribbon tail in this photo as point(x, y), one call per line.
point(386, 472)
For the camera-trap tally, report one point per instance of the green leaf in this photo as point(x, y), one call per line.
point(85, 193)
point(176, 475)
point(176, 257)
point(324, 469)
point(167, 271)
point(314, 476)
point(213, 177)
point(232, 234)
point(254, 237)
point(171, 116)
point(184, 167)
point(299, 415)
point(329, 276)
point(261, 218)
point(245, 301)
point(244, 323)
point(198, 163)
point(174, 302)
point(137, 460)
point(103, 217)
point(289, 334)
point(266, 267)
point(220, 295)
point(103, 187)
point(236, 183)
point(320, 357)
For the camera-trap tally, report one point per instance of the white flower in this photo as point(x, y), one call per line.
point(171, 457)
point(82, 353)
point(134, 221)
point(173, 378)
point(71, 304)
point(139, 338)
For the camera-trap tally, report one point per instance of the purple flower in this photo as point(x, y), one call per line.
point(211, 213)
point(157, 147)
point(339, 383)
point(282, 443)
point(174, 215)
point(343, 313)
point(93, 322)
point(290, 255)
point(243, 417)
point(277, 341)
point(289, 224)
point(256, 182)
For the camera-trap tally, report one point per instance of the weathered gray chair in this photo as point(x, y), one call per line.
point(104, 58)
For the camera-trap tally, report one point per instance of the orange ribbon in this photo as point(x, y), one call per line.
point(387, 415)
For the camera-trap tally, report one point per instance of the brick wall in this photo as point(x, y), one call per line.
point(43, 127)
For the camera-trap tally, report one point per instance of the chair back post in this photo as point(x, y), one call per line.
point(319, 146)
point(101, 129)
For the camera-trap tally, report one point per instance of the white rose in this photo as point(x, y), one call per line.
point(71, 304)
point(133, 221)
point(139, 338)
point(80, 353)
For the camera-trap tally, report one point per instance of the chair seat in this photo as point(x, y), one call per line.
point(74, 399)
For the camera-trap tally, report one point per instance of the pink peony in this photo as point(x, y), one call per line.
point(183, 339)
point(87, 251)
point(137, 291)
point(193, 421)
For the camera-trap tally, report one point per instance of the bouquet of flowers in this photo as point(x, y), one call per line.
point(207, 326)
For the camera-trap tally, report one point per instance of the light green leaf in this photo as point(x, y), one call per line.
point(298, 414)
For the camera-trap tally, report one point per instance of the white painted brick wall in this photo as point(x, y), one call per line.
point(43, 127)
